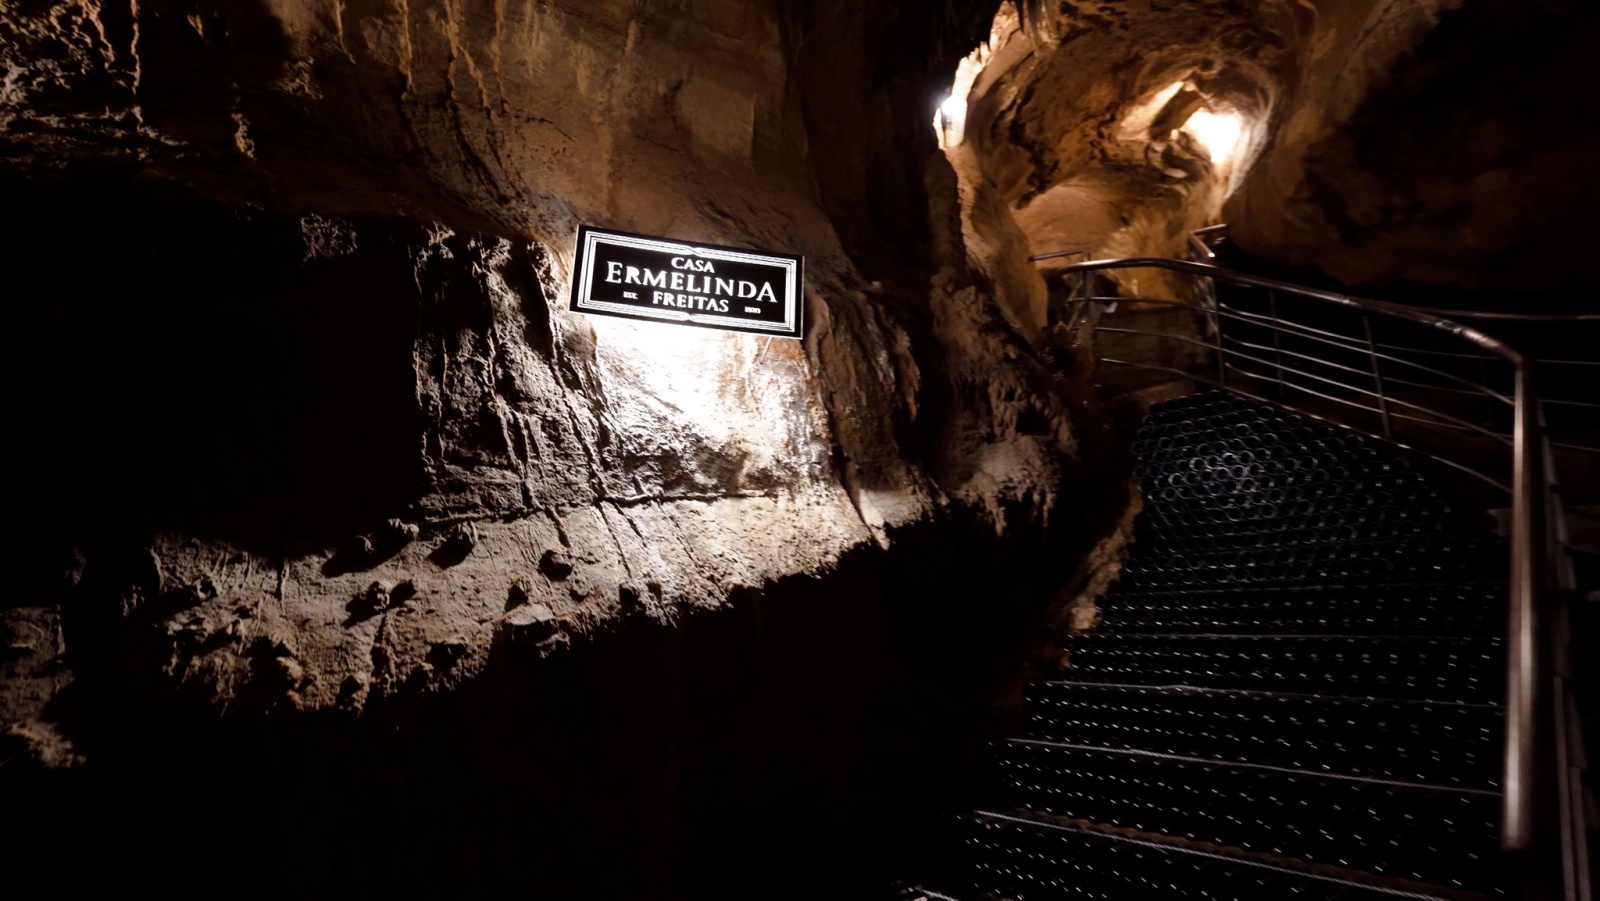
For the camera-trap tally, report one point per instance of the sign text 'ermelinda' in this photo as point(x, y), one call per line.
point(638, 277)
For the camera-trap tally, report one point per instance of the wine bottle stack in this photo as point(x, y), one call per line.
point(1449, 836)
point(1014, 858)
point(1293, 690)
point(1381, 739)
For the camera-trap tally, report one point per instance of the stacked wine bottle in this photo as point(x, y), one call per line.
point(1294, 689)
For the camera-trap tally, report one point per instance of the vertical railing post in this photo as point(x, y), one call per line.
point(1377, 377)
point(1489, 406)
point(1214, 308)
point(1527, 664)
point(1277, 340)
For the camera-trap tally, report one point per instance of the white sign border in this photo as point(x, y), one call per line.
point(583, 294)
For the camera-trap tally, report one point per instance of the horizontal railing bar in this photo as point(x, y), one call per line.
point(1310, 333)
point(1142, 839)
point(1482, 392)
point(1206, 380)
point(1501, 437)
point(1536, 318)
point(1393, 400)
point(1357, 345)
point(1395, 311)
point(1436, 353)
point(1294, 329)
point(1057, 254)
point(1292, 353)
point(1478, 390)
point(1441, 419)
point(1452, 423)
point(1140, 687)
point(1270, 377)
point(1252, 767)
point(1337, 340)
point(1541, 361)
point(1239, 341)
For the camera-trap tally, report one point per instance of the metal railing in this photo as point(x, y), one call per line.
point(1423, 382)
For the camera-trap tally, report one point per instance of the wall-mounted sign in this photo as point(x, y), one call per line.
point(618, 274)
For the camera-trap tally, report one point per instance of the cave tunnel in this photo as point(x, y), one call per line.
point(763, 449)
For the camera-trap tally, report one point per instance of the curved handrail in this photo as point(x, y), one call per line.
point(1317, 416)
point(1541, 318)
point(1398, 311)
point(1451, 421)
point(1324, 338)
point(1058, 254)
point(1528, 663)
point(1327, 338)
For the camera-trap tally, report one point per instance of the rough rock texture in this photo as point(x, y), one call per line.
point(348, 546)
point(1466, 160)
point(1383, 141)
point(1075, 117)
point(354, 553)
point(662, 463)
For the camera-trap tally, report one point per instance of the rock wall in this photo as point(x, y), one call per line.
point(1384, 143)
point(1425, 147)
point(357, 564)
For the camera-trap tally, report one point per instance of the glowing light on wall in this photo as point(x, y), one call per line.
point(674, 388)
point(950, 119)
point(1135, 126)
point(1218, 133)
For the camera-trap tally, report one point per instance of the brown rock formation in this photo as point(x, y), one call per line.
point(352, 493)
point(1379, 141)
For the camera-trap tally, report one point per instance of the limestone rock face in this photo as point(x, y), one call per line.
point(1463, 160)
point(1376, 141)
point(442, 157)
point(346, 494)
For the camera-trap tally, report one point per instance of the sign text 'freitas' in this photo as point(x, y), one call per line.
point(639, 277)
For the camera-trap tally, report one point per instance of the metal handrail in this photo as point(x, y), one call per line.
point(1310, 334)
point(1342, 342)
point(1360, 345)
point(1399, 311)
point(1205, 380)
point(1335, 340)
point(1541, 318)
point(1527, 795)
point(1058, 254)
point(1450, 421)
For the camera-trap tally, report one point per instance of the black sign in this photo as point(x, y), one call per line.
point(619, 274)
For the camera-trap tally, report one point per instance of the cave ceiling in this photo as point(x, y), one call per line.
point(1382, 142)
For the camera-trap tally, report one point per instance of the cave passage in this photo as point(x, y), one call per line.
point(352, 561)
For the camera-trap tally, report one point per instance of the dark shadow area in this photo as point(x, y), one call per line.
point(796, 744)
point(191, 366)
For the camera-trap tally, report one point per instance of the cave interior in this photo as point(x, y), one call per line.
point(353, 562)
